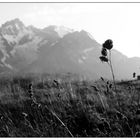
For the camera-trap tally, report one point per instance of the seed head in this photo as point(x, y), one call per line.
point(134, 75)
point(103, 59)
point(108, 44)
point(104, 51)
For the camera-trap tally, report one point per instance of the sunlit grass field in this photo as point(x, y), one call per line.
point(67, 106)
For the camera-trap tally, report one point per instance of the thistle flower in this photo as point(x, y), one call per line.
point(103, 59)
point(104, 52)
point(108, 44)
point(134, 74)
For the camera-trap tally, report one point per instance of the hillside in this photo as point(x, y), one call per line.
point(57, 50)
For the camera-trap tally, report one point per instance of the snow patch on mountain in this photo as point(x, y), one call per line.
point(62, 31)
point(90, 35)
point(16, 38)
point(13, 31)
point(3, 60)
point(17, 26)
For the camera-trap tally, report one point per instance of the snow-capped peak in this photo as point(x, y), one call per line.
point(62, 31)
point(12, 27)
point(13, 31)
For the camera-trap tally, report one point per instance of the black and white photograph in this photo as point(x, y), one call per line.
point(69, 69)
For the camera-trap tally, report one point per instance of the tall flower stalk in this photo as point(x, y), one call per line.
point(106, 48)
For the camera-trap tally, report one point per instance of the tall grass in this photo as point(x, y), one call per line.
point(57, 107)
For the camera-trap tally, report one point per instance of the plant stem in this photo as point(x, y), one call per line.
point(56, 116)
point(101, 100)
point(62, 123)
point(110, 64)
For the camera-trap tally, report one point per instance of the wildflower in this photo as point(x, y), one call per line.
point(103, 59)
point(31, 94)
point(108, 44)
point(30, 90)
point(104, 52)
point(134, 74)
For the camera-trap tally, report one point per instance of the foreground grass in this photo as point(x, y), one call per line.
point(68, 108)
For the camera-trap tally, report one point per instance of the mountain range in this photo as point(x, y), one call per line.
point(57, 49)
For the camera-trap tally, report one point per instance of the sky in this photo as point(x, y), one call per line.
point(117, 21)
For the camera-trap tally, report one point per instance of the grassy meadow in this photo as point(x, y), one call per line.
point(66, 106)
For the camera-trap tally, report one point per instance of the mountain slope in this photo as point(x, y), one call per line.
point(58, 50)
